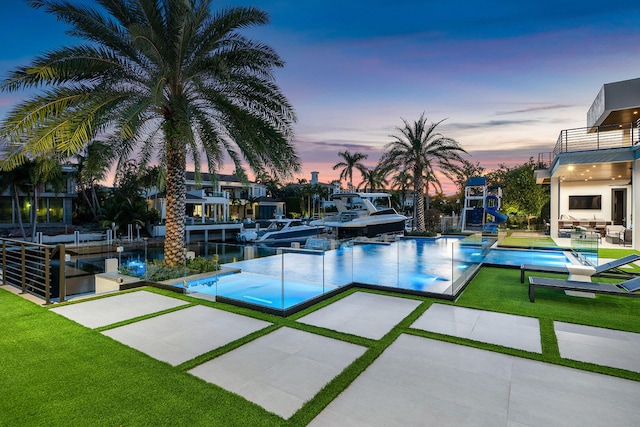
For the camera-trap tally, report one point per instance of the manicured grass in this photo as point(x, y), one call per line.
point(56, 372)
point(528, 242)
point(499, 289)
point(615, 252)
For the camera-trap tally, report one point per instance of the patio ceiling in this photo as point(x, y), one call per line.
point(610, 171)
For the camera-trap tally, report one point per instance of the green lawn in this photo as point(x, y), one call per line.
point(528, 242)
point(56, 372)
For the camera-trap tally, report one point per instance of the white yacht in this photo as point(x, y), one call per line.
point(362, 214)
point(280, 231)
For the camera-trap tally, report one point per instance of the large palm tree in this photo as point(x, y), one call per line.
point(421, 149)
point(94, 162)
point(45, 170)
point(374, 179)
point(349, 163)
point(157, 78)
point(401, 182)
point(18, 181)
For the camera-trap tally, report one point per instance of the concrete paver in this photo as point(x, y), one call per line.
point(416, 381)
point(363, 314)
point(495, 328)
point(184, 334)
point(419, 381)
point(117, 308)
point(281, 370)
point(606, 347)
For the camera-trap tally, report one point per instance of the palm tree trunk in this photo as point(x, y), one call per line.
point(421, 226)
point(89, 204)
point(176, 203)
point(34, 213)
point(16, 200)
point(419, 205)
point(95, 205)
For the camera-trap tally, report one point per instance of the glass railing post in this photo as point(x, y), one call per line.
point(324, 251)
point(283, 281)
point(397, 243)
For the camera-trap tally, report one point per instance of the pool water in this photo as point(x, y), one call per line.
point(518, 257)
point(421, 265)
point(259, 289)
point(431, 266)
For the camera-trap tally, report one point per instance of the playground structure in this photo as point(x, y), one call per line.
point(481, 207)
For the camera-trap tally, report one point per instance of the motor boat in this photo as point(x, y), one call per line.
point(362, 214)
point(280, 231)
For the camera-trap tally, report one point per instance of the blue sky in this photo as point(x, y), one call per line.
point(506, 76)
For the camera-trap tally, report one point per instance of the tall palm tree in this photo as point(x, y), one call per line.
point(374, 178)
point(94, 162)
point(320, 193)
point(157, 78)
point(421, 149)
point(18, 181)
point(151, 177)
point(349, 163)
point(401, 182)
point(45, 170)
point(272, 184)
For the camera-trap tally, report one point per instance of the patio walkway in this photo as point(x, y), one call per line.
point(415, 381)
point(485, 326)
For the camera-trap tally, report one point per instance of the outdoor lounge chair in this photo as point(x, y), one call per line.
point(626, 288)
point(609, 269)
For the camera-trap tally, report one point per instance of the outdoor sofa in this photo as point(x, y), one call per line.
point(613, 232)
point(626, 288)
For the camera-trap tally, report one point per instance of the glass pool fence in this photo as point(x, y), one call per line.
point(293, 277)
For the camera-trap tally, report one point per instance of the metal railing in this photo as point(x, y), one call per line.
point(29, 266)
point(587, 139)
point(603, 137)
point(545, 160)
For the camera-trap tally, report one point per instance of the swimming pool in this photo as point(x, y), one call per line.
point(429, 266)
point(517, 257)
point(433, 267)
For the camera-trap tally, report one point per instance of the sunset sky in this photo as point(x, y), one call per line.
point(506, 76)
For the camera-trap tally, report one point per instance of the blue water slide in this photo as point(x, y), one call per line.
point(491, 210)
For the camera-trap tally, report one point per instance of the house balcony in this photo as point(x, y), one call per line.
point(598, 137)
point(604, 137)
point(577, 151)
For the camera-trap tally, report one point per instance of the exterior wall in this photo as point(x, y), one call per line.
point(612, 97)
point(554, 205)
point(67, 211)
point(601, 188)
point(635, 208)
point(580, 189)
point(216, 200)
point(47, 200)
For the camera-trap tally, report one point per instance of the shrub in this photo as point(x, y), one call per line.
point(158, 271)
point(427, 233)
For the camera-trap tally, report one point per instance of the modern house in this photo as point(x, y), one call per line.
point(592, 170)
point(222, 199)
point(54, 208)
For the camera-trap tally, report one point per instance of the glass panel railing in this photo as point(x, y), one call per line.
point(375, 263)
point(424, 264)
point(502, 235)
point(339, 265)
point(584, 244)
point(289, 277)
point(302, 276)
point(466, 257)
